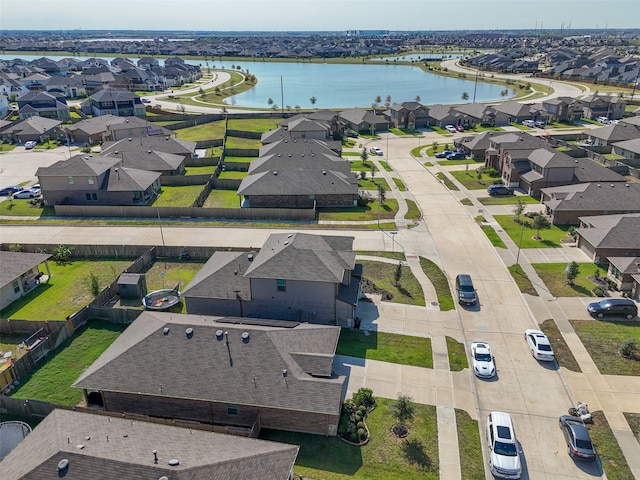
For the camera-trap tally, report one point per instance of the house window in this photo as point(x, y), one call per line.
point(70, 180)
point(16, 286)
point(232, 409)
point(282, 285)
point(91, 180)
point(92, 197)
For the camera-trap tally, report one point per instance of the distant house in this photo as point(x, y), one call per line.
point(20, 274)
point(43, 104)
point(37, 129)
point(506, 150)
point(111, 128)
point(605, 236)
point(512, 112)
point(121, 103)
point(155, 143)
point(566, 204)
point(241, 373)
point(361, 120)
point(629, 149)
point(610, 106)
point(71, 86)
point(89, 180)
point(86, 445)
point(613, 133)
point(625, 272)
point(167, 164)
point(409, 115)
point(561, 109)
point(295, 277)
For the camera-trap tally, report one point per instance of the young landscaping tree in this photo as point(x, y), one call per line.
point(381, 193)
point(313, 101)
point(540, 222)
point(403, 411)
point(363, 174)
point(518, 209)
point(387, 101)
point(629, 348)
point(417, 99)
point(94, 284)
point(62, 254)
point(465, 96)
point(434, 147)
point(397, 274)
point(270, 101)
point(364, 155)
point(571, 272)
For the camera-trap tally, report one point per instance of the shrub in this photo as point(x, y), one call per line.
point(598, 291)
point(361, 432)
point(629, 348)
point(360, 424)
point(364, 396)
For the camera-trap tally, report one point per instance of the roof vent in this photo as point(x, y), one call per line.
point(284, 373)
point(163, 478)
point(289, 155)
point(324, 172)
point(626, 185)
point(116, 152)
point(275, 172)
point(612, 185)
point(189, 332)
point(63, 467)
point(245, 337)
point(80, 447)
point(286, 243)
point(290, 235)
point(165, 331)
point(129, 138)
point(219, 334)
point(599, 185)
point(174, 462)
point(148, 151)
point(302, 154)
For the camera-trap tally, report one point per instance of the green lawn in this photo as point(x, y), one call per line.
point(493, 236)
point(222, 199)
point(408, 289)
point(351, 154)
point(237, 142)
point(67, 290)
point(386, 347)
point(368, 212)
point(523, 282)
point(561, 350)
point(413, 212)
point(633, 419)
point(384, 457)
point(6, 147)
point(392, 255)
point(386, 166)
point(177, 196)
point(507, 200)
point(404, 132)
point(440, 283)
point(464, 161)
point(457, 355)
point(553, 276)
point(471, 181)
point(444, 179)
point(260, 125)
point(466, 202)
point(551, 237)
point(232, 174)
point(22, 208)
point(603, 339)
point(611, 457)
point(52, 380)
point(471, 459)
point(205, 170)
point(359, 165)
point(206, 131)
point(368, 184)
point(239, 159)
point(399, 184)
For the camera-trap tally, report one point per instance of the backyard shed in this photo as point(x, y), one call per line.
point(132, 285)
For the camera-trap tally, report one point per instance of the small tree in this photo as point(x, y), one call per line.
point(465, 96)
point(15, 247)
point(418, 99)
point(62, 254)
point(363, 175)
point(94, 284)
point(571, 272)
point(518, 209)
point(403, 411)
point(364, 155)
point(313, 101)
point(540, 222)
point(270, 101)
point(397, 274)
point(381, 193)
point(434, 146)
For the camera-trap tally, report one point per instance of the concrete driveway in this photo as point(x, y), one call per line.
point(20, 165)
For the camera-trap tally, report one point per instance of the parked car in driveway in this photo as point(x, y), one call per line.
point(504, 451)
point(529, 123)
point(540, 124)
point(576, 434)
point(30, 144)
point(455, 156)
point(614, 307)
point(459, 128)
point(443, 154)
point(6, 191)
point(28, 193)
point(483, 364)
point(450, 128)
point(539, 345)
point(376, 151)
point(499, 190)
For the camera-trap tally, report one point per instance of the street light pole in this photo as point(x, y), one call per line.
point(519, 247)
point(160, 225)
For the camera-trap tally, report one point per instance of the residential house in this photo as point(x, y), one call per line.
point(72, 86)
point(307, 146)
point(100, 180)
point(471, 114)
point(441, 115)
point(294, 277)
point(610, 106)
point(604, 236)
point(512, 112)
point(303, 127)
point(566, 204)
point(156, 143)
point(4, 105)
point(505, 150)
point(625, 272)
point(38, 129)
point(629, 149)
point(410, 115)
point(306, 161)
point(43, 104)
point(237, 372)
point(87, 445)
point(121, 103)
point(111, 128)
point(360, 120)
point(20, 273)
point(612, 133)
point(167, 164)
point(284, 137)
point(475, 146)
point(560, 109)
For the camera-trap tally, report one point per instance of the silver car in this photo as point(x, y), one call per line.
point(504, 451)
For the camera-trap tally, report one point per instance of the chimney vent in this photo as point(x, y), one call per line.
point(189, 332)
point(165, 331)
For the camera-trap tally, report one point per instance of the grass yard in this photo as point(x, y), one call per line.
point(222, 199)
point(384, 457)
point(232, 174)
point(22, 208)
point(260, 125)
point(561, 350)
point(6, 147)
point(493, 236)
point(633, 419)
point(239, 159)
point(428, 164)
point(204, 170)
point(66, 292)
point(603, 339)
point(611, 457)
point(553, 276)
point(466, 202)
point(471, 181)
point(386, 166)
point(551, 237)
point(392, 255)
point(408, 291)
point(444, 179)
point(361, 213)
point(413, 212)
point(205, 131)
point(368, 184)
point(359, 165)
point(52, 380)
point(404, 132)
point(399, 184)
point(237, 142)
point(464, 161)
point(386, 347)
point(523, 282)
point(440, 283)
point(174, 272)
point(471, 459)
point(183, 196)
point(457, 355)
point(507, 200)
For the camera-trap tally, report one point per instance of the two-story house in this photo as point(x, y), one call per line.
point(43, 104)
point(409, 115)
point(122, 103)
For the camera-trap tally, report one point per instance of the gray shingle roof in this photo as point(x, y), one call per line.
point(33, 126)
point(299, 182)
point(157, 143)
point(222, 277)
point(116, 448)
point(113, 94)
point(207, 368)
point(14, 264)
point(299, 161)
point(80, 165)
point(149, 160)
point(300, 146)
point(613, 231)
point(616, 197)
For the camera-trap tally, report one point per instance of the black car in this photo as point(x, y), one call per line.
point(577, 437)
point(8, 191)
point(465, 289)
point(499, 190)
point(614, 307)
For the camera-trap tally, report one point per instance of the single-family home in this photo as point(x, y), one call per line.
point(409, 115)
point(79, 445)
point(37, 129)
point(238, 372)
point(43, 104)
point(71, 86)
point(360, 120)
point(612, 133)
point(625, 272)
point(20, 273)
point(112, 101)
point(629, 150)
point(506, 150)
point(156, 143)
point(610, 106)
point(603, 236)
point(110, 128)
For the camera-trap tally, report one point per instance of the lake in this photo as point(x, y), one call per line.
point(339, 85)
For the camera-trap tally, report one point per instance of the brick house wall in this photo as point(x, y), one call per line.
point(302, 201)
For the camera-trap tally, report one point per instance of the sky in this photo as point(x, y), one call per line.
point(314, 15)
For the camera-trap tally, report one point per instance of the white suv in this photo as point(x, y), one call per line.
point(504, 451)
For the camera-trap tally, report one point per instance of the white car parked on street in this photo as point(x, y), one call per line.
point(539, 345)
point(504, 451)
point(483, 364)
point(376, 151)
